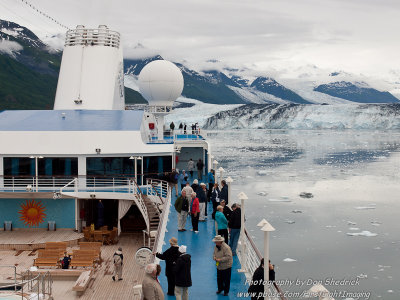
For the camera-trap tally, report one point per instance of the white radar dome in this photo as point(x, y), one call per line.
point(161, 82)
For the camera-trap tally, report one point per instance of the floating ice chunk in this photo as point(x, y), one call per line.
point(289, 260)
point(362, 233)
point(330, 226)
point(290, 222)
point(377, 248)
point(362, 276)
point(262, 172)
point(262, 193)
point(296, 211)
point(354, 228)
point(376, 223)
point(365, 207)
point(279, 200)
point(351, 223)
point(306, 195)
point(390, 291)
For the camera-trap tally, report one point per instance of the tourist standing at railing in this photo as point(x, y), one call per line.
point(172, 126)
point(180, 127)
point(183, 178)
point(202, 195)
point(200, 166)
point(182, 207)
point(194, 212)
point(227, 211)
point(215, 197)
point(222, 223)
point(224, 192)
point(184, 129)
point(170, 256)
point(234, 227)
point(151, 288)
point(256, 288)
point(190, 167)
point(223, 260)
point(183, 278)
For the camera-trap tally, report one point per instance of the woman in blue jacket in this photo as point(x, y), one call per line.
point(222, 223)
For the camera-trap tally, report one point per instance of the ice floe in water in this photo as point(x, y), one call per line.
point(262, 193)
point(290, 222)
point(279, 200)
point(375, 223)
point(296, 211)
point(262, 172)
point(354, 228)
point(365, 207)
point(289, 260)
point(362, 233)
point(306, 195)
point(351, 223)
point(362, 276)
point(330, 226)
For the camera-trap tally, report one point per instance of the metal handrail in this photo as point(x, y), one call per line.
point(162, 225)
point(154, 184)
point(255, 258)
point(41, 280)
point(142, 206)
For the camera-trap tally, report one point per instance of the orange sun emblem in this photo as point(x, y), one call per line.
point(32, 213)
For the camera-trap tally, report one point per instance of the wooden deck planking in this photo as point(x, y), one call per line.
point(101, 286)
point(33, 239)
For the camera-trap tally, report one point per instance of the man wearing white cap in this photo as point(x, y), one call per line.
point(223, 260)
point(183, 279)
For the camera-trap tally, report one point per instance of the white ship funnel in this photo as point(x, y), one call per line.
point(91, 73)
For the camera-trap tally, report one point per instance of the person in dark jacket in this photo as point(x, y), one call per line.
point(170, 256)
point(256, 288)
point(224, 192)
point(200, 166)
point(227, 211)
point(195, 185)
point(174, 176)
point(234, 227)
point(215, 197)
point(202, 195)
point(211, 182)
point(183, 278)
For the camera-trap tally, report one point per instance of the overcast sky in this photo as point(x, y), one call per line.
point(359, 36)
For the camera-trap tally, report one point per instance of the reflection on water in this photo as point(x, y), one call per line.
point(349, 229)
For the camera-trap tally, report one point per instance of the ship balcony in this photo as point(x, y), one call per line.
point(171, 136)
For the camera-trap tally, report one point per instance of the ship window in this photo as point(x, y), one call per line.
point(25, 166)
point(110, 166)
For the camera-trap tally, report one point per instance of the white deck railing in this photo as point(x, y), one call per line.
point(101, 36)
point(250, 259)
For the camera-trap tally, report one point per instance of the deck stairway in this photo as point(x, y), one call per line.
point(154, 217)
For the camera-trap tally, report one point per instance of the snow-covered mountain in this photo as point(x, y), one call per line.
point(214, 82)
point(300, 116)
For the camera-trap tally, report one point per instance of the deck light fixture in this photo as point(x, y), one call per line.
point(266, 228)
point(136, 158)
point(98, 150)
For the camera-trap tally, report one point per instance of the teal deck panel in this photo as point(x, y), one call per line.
point(201, 247)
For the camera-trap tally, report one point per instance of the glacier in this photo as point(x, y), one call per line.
point(300, 116)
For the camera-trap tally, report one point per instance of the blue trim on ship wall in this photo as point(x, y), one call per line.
point(60, 210)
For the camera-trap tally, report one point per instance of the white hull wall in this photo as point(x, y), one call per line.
point(78, 143)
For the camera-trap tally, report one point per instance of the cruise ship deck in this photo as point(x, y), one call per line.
point(201, 247)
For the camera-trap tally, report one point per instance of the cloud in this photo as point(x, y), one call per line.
point(353, 35)
point(10, 47)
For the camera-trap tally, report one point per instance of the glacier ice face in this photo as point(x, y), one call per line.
point(292, 116)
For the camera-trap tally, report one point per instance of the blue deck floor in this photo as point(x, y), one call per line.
point(201, 247)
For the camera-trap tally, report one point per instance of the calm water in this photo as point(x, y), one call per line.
point(349, 229)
